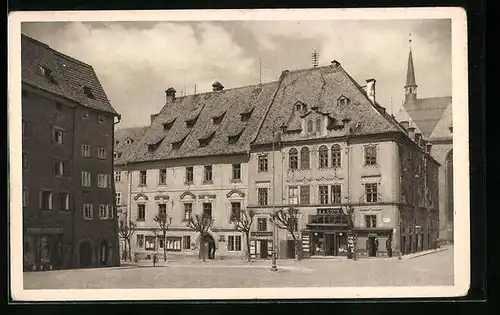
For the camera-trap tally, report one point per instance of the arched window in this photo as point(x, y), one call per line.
point(318, 125)
point(304, 158)
point(293, 159)
point(310, 126)
point(323, 156)
point(336, 157)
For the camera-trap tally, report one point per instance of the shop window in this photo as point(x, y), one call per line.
point(186, 242)
point(150, 242)
point(140, 241)
point(173, 244)
point(234, 243)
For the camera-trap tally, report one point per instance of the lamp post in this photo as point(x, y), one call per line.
point(275, 238)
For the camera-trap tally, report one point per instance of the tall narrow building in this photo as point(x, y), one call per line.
point(68, 123)
point(432, 119)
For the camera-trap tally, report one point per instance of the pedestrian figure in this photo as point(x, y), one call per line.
point(388, 246)
point(154, 260)
point(375, 249)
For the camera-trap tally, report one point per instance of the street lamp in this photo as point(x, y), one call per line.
point(275, 241)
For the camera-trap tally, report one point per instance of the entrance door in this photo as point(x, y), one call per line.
point(330, 245)
point(263, 249)
point(371, 246)
point(85, 253)
point(290, 249)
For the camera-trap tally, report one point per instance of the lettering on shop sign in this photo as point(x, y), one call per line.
point(45, 230)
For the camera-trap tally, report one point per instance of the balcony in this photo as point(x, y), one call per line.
point(328, 219)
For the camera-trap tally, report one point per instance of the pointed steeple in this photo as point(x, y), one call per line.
point(411, 84)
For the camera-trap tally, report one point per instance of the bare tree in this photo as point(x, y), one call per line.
point(243, 223)
point(126, 230)
point(288, 220)
point(200, 224)
point(164, 222)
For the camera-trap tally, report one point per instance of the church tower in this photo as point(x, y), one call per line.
point(411, 85)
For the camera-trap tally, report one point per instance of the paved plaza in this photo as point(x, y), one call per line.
point(433, 269)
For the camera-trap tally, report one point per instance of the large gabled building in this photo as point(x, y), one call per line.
point(431, 118)
point(67, 130)
point(213, 154)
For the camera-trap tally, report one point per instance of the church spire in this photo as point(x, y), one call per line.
point(411, 85)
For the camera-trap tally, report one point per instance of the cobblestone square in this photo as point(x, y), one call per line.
point(433, 269)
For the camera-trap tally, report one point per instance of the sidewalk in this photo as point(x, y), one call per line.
point(427, 252)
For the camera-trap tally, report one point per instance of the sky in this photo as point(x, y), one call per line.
point(137, 61)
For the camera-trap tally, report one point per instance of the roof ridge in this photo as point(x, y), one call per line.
point(230, 89)
point(36, 41)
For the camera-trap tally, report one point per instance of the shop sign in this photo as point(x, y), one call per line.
point(257, 234)
point(45, 230)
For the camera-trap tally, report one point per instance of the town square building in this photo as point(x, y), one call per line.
point(314, 140)
point(67, 160)
point(432, 119)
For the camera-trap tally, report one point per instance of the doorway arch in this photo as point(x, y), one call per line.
point(209, 240)
point(85, 254)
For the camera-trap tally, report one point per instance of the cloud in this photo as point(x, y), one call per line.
point(136, 65)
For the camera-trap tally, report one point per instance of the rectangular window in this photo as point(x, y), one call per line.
point(25, 197)
point(118, 198)
point(101, 118)
point(162, 177)
point(371, 192)
point(162, 209)
point(189, 174)
point(186, 242)
point(207, 210)
point(235, 210)
point(142, 178)
point(305, 195)
point(88, 213)
point(141, 212)
point(64, 201)
point(27, 128)
point(370, 155)
point(234, 243)
point(236, 171)
point(61, 168)
point(261, 224)
point(188, 210)
point(45, 200)
point(102, 211)
point(262, 196)
point(293, 195)
point(109, 211)
point(26, 160)
point(85, 113)
point(85, 150)
point(57, 135)
point(174, 244)
point(207, 177)
point(150, 242)
point(263, 163)
point(101, 153)
point(101, 181)
point(371, 221)
point(140, 241)
point(336, 194)
point(118, 176)
point(86, 180)
point(323, 194)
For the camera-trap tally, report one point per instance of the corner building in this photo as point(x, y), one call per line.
point(315, 139)
point(67, 130)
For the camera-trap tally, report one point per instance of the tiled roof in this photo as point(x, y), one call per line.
point(232, 102)
point(69, 75)
point(126, 149)
point(442, 129)
point(322, 87)
point(427, 112)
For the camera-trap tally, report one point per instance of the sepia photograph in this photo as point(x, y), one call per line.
point(238, 154)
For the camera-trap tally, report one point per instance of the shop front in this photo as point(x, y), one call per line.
point(261, 244)
point(327, 233)
point(374, 242)
point(43, 248)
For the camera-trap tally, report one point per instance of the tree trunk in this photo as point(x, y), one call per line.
point(164, 246)
point(249, 255)
point(130, 249)
point(296, 247)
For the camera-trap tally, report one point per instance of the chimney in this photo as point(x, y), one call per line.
point(405, 124)
point(370, 89)
point(411, 133)
point(170, 94)
point(217, 86)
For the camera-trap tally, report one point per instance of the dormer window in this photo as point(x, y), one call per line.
point(177, 144)
point(245, 116)
point(129, 141)
point(47, 73)
point(300, 107)
point(117, 155)
point(153, 146)
point(342, 101)
point(87, 90)
point(218, 119)
point(190, 123)
point(168, 125)
point(204, 141)
point(235, 136)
